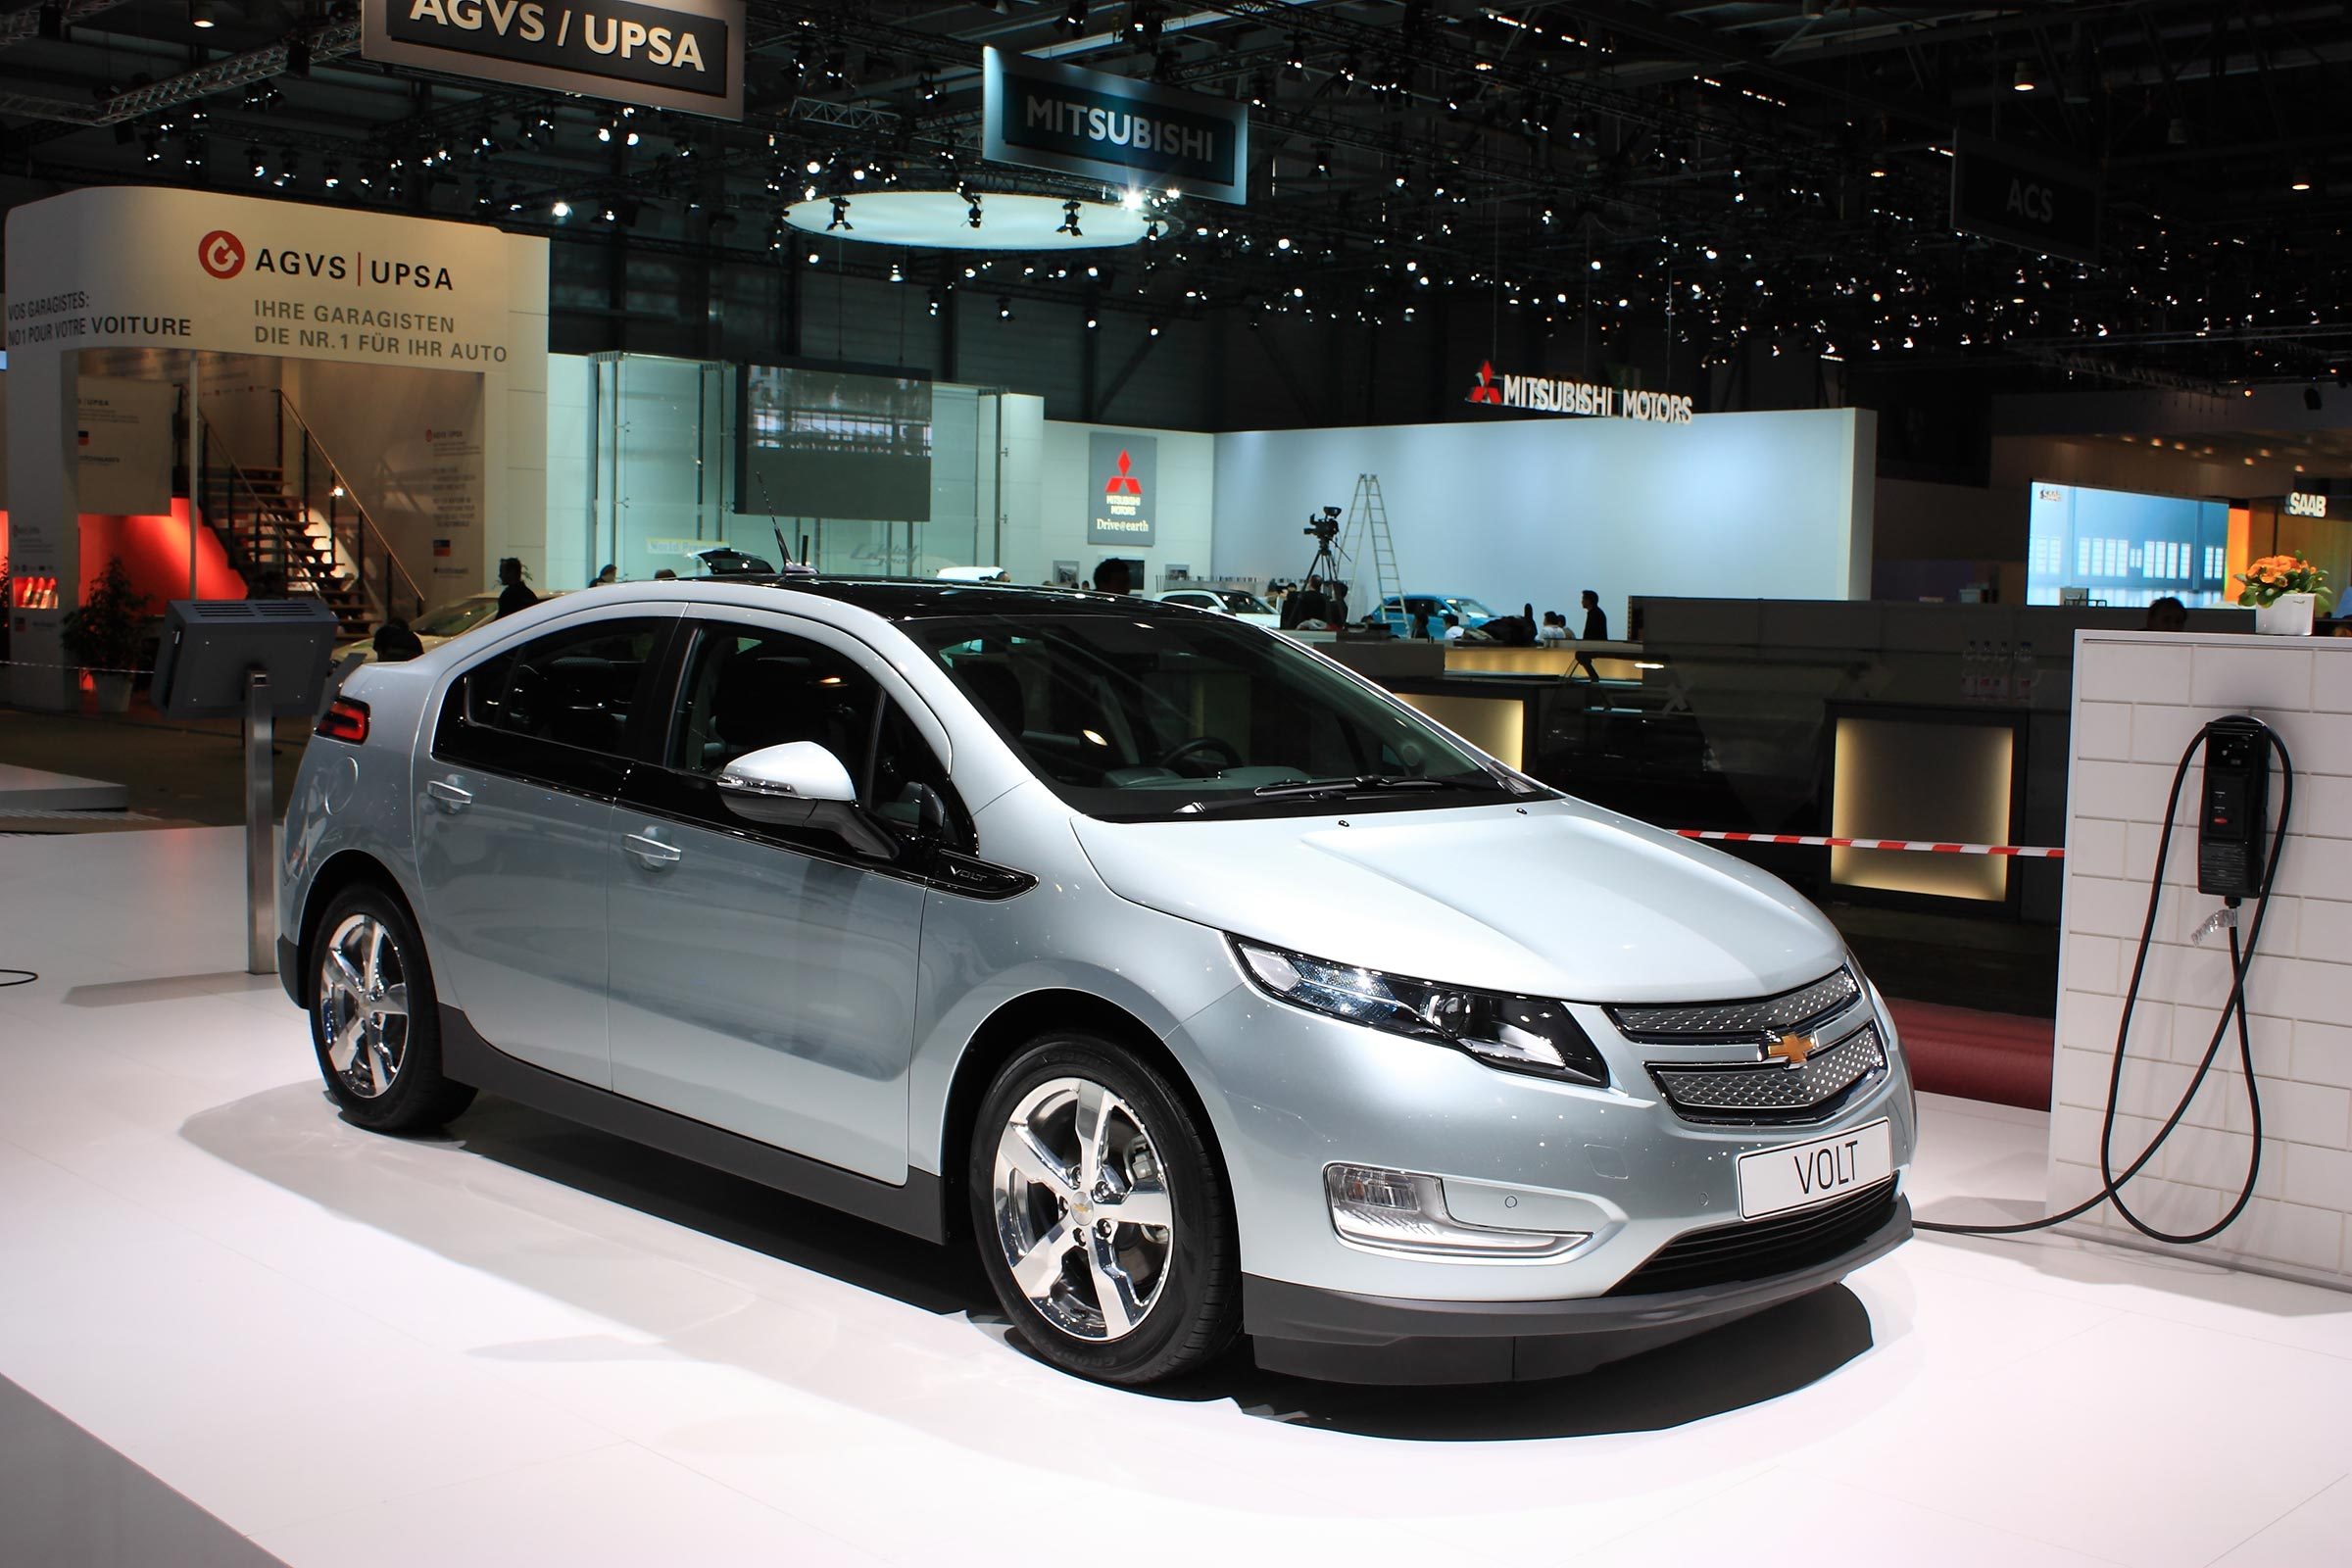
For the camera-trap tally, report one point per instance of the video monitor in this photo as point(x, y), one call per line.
point(2124, 549)
point(833, 441)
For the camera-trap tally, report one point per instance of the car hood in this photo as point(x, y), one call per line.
point(1559, 898)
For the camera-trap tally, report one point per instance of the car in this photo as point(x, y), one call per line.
point(1201, 986)
point(1234, 602)
point(437, 625)
point(1398, 612)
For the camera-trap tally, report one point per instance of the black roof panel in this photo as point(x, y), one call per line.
point(912, 598)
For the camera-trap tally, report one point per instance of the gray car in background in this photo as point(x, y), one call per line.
point(1206, 987)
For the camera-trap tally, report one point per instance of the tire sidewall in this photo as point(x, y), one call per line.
point(1199, 1293)
point(418, 1085)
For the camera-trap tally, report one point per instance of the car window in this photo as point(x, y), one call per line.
point(1136, 719)
point(748, 688)
point(450, 620)
point(581, 687)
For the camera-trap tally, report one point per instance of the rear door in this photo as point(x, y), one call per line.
point(763, 977)
point(514, 797)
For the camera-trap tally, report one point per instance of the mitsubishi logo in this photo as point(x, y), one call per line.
point(1486, 391)
point(1791, 1049)
point(1124, 482)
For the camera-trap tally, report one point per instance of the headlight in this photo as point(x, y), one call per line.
point(1520, 1033)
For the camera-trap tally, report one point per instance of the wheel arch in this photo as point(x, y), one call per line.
point(1014, 1025)
point(343, 869)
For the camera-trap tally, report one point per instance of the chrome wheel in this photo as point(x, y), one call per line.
point(1082, 1209)
point(364, 1005)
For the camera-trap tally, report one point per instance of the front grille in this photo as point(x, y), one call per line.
point(1773, 1092)
point(1756, 1018)
point(1761, 1248)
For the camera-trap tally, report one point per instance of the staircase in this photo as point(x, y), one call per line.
point(274, 543)
point(298, 526)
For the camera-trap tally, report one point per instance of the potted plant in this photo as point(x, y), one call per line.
point(102, 636)
point(2285, 591)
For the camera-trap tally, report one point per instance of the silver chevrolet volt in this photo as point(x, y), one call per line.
point(1210, 989)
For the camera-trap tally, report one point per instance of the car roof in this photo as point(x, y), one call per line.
point(919, 598)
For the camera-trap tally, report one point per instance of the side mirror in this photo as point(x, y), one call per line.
point(800, 784)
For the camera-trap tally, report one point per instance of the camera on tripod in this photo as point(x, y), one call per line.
point(1325, 527)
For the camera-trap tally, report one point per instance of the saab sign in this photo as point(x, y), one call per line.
point(2022, 200)
point(2306, 504)
point(1112, 128)
point(666, 54)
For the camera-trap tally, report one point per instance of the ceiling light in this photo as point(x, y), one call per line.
point(2022, 80)
point(841, 216)
point(562, 208)
point(1003, 308)
point(200, 13)
point(972, 212)
point(1069, 221)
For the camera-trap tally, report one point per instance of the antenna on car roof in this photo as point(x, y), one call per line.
point(788, 563)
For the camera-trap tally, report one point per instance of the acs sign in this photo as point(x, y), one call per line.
point(222, 254)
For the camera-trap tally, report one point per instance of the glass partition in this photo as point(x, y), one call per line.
point(662, 452)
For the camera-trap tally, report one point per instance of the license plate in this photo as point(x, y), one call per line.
point(1773, 1181)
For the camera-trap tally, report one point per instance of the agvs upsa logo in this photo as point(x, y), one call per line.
point(221, 254)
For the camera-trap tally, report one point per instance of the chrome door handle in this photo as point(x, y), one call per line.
point(652, 853)
point(451, 797)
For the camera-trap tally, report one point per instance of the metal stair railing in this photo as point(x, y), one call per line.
point(265, 533)
point(322, 489)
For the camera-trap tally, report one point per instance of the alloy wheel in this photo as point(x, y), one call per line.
point(364, 1005)
point(1082, 1209)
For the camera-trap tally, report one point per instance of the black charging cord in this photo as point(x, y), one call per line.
point(24, 977)
point(2111, 1189)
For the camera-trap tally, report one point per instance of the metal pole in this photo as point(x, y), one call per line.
point(261, 831)
point(195, 459)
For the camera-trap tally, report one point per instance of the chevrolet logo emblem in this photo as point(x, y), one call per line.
point(1791, 1049)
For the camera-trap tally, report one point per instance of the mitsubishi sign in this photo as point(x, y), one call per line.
point(665, 54)
point(1537, 394)
point(1112, 128)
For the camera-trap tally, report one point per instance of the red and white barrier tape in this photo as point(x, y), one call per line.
point(2025, 850)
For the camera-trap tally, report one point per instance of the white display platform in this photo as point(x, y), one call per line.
point(527, 1344)
point(29, 789)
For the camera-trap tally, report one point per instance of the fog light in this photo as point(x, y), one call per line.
point(1399, 1212)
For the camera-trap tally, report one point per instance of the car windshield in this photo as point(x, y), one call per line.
point(1462, 605)
point(1242, 603)
point(1165, 718)
point(450, 620)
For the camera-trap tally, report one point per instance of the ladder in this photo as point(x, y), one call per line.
point(1367, 530)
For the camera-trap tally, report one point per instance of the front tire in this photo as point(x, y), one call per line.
point(375, 1021)
point(1101, 1215)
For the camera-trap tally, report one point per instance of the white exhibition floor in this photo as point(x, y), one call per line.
point(535, 1345)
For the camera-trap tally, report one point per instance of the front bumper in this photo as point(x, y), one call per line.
point(1343, 1337)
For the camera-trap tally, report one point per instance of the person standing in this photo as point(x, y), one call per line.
point(514, 593)
point(611, 574)
point(1597, 620)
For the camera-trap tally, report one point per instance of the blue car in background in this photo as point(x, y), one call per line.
point(1398, 611)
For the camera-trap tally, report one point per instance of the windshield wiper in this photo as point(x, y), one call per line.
point(1338, 789)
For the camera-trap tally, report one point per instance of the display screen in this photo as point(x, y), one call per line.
point(2123, 548)
point(833, 443)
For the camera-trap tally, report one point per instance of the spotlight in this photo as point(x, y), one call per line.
point(260, 162)
point(1154, 330)
point(200, 13)
point(561, 209)
point(972, 211)
point(2300, 180)
point(2022, 78)
point(935, 301)
point(841, 216)
point(897, 277)
point(1073, 15)
point(1069, 221)
point(1133, 200)
point(1003, 308)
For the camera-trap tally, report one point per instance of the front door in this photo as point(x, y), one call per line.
point(763, 977)
point(513, 821)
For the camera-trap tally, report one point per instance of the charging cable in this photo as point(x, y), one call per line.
point(2110, 1189)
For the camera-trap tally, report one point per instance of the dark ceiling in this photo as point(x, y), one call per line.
point(1777, 174)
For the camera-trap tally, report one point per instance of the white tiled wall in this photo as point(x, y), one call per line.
point(2140, 699)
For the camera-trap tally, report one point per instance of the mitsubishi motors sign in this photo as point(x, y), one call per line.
point(1122, 482)
point(1537, 394)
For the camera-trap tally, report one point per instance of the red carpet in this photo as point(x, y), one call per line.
point(1979, 1056)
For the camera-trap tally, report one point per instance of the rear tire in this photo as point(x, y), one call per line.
point(1101, 1214)
point(375, 1021)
